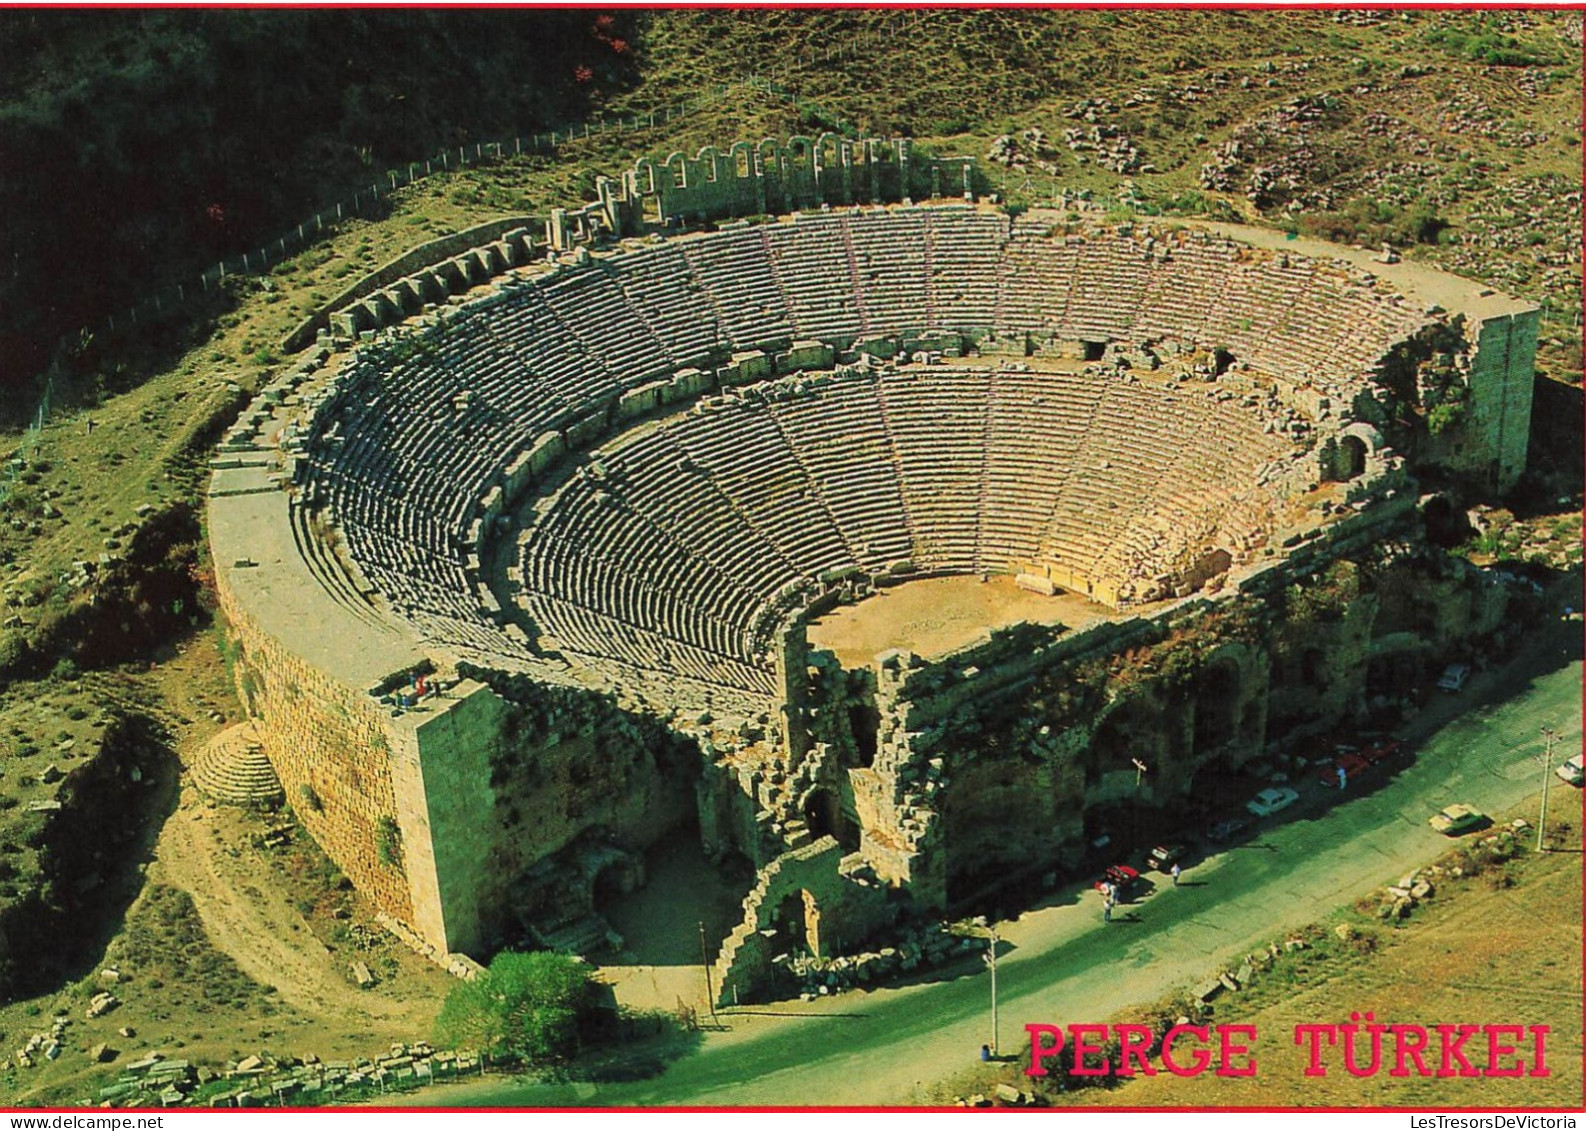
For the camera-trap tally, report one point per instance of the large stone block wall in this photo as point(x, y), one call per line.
point(331, 738)
point(448, 792)
point(1501, 376)
point(544, 767)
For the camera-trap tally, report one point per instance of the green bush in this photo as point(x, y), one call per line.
point(531, 1008)
point(1445, 416)
point(388, 842)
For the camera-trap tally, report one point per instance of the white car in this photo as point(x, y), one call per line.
point(1454, 677)
point(1269, 801)
point(1573, 771)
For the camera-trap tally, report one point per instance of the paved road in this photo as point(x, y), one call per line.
point(1064, 965)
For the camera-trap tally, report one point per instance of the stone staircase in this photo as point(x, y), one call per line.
point(233, 770)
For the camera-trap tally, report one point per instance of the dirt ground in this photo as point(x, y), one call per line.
point(1490, 954)
point(661, 963)
point(229, 948)
point(936, 615)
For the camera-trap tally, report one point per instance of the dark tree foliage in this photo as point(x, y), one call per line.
point(140, 146)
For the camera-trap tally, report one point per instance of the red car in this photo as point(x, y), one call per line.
point(1353, 766)
point(1121, 877)
point(1381, 750)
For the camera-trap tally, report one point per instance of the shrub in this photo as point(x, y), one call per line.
point(525, 1007)
point(388, 842)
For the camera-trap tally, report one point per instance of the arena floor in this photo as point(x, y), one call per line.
point(938, 615)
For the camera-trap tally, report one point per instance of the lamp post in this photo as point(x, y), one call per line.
point(710, 992)
point(991, 960)
point(1548, 736)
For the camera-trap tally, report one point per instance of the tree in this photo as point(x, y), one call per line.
point(526, 1007)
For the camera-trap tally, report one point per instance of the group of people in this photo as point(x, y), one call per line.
point(1109, 892)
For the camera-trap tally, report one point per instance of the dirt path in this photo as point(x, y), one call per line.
point(248, 917)
point(247, 910)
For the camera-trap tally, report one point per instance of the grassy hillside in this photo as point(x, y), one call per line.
point(137, 147)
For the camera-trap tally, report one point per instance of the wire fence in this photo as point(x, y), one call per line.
point(172, 297)
point(366, 200)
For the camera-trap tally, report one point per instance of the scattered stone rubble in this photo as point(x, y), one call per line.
point(919, 949)
point(1003, 1095)
point(267, 1081)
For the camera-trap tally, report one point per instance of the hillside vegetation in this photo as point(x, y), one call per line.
point(140, 146)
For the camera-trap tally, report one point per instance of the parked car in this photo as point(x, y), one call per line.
point(1121, 877)
point(1573, 771)
point(1164, 856)
point(1270, 801)
point(1227, 829)
point(1353, 766)
point(1381, 750)
point(1453, 677)
point(1457, 819)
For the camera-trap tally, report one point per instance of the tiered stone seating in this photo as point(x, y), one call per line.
point(1109, 276)
point(1037, 276)
point(890, 250)
point(604, 327)
point(1183, 288)
point(662, 290)
point(841, 442)
point(937, 422)
point(1036, 423)
point(814, 266)
point(964, 250)
point(739, 287)
point(1206, 495)
point(747, 458)
point(661, 572)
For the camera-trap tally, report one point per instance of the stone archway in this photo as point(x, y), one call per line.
point(1351, 460)
point(823, 815)
point(797, 921)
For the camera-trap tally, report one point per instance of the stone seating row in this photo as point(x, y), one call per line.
point(680, 535)
point(424, 436)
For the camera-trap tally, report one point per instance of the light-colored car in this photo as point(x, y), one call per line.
point(1457, 819)
point(1573, 771)
point(1454, 677)
point(1269, 801)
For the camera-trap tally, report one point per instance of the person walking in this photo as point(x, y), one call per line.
point(1106, 910)
point(1175, 873)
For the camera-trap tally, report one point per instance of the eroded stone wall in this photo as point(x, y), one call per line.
point(331, 748)
point(544, 768)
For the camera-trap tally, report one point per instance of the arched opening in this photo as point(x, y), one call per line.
point(1216, 703)
point(797, 922)
point(864, 722)
point(1446, 524)
point(1221, 360)
point(823, 814)
point(1094, 350)
point(1351, 458)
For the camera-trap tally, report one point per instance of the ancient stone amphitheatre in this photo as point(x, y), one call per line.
point(524, 557)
